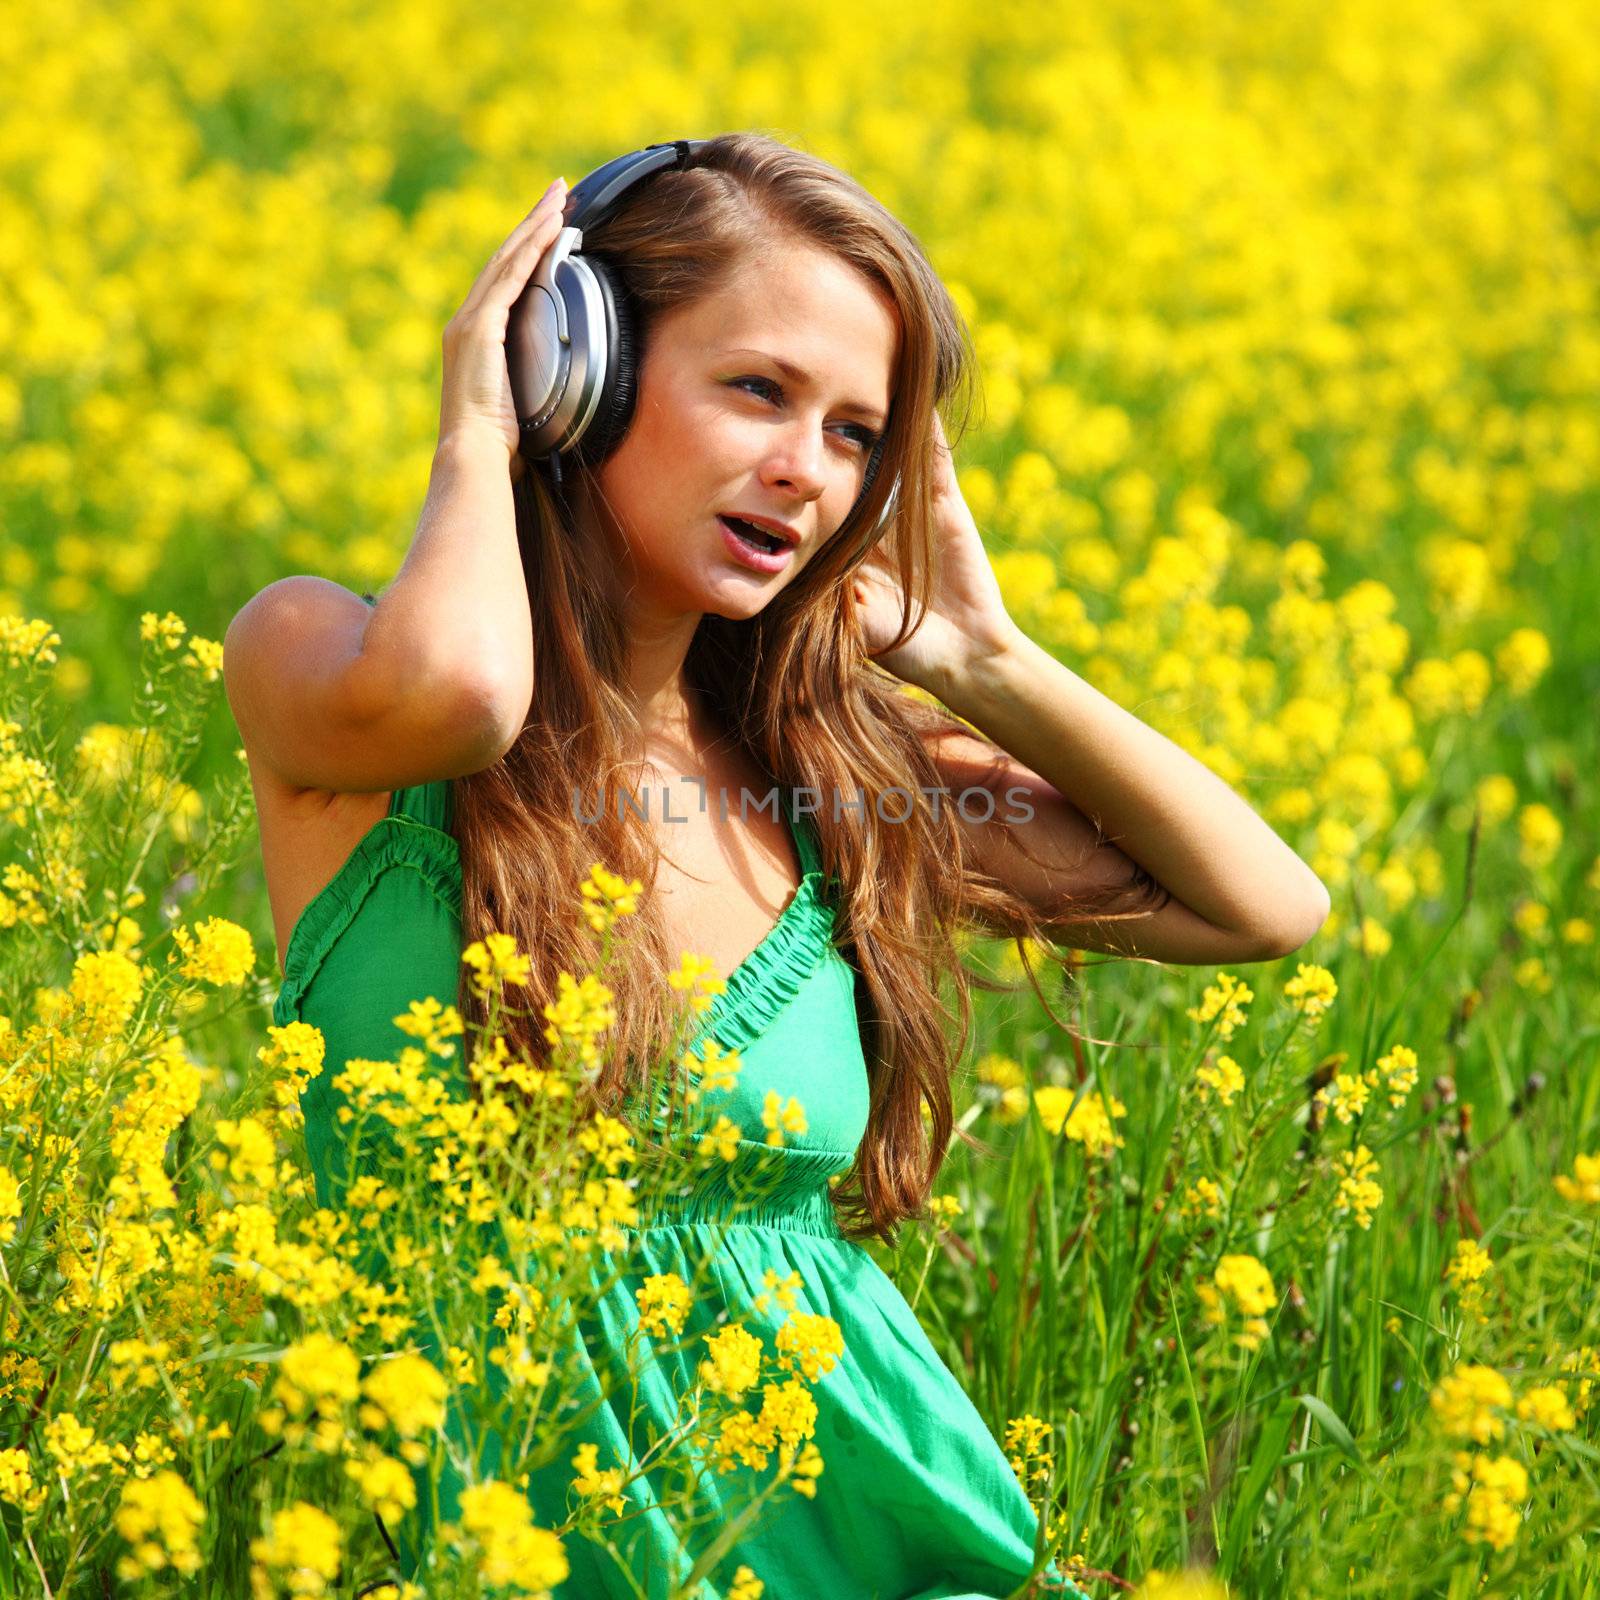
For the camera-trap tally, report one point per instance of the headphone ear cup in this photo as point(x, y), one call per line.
point(873, 462)
point(619, 389)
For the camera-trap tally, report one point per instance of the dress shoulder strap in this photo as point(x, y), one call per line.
point(803, 830)
point(427, 803)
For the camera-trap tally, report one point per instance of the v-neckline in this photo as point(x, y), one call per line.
point(809, 869)
point(770, 976)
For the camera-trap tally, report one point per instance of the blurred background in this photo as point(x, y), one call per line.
point(1286, 317)
point(1290, 359)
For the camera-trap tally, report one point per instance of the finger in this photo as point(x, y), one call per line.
point(552, 200)
point(509, 268)
point(542, 223)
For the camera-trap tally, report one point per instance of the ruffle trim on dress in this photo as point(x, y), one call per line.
point(771, 975)
point(764, 1186)
point(392, 841)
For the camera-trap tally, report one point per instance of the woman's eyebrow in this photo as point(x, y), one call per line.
point(794, 374)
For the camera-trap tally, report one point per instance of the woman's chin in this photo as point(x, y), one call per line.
point(736, 607)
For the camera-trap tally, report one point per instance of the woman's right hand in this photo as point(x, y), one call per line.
point(477, 381)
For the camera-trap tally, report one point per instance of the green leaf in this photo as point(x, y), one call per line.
point(1266, 1457)
point(1332, 1426)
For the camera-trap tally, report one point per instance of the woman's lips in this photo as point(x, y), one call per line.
point(753, 556)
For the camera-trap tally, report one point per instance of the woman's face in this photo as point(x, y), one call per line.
point(720, 428)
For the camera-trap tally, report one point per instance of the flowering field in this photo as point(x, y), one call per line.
point(1277, 1280)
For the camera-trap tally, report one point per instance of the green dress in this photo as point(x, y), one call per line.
point(915, 1500)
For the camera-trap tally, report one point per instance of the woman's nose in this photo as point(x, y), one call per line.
point(801, 463)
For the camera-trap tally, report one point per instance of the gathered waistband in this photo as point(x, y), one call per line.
point(810, 1211)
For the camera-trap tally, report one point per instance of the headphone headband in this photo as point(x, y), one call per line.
point(596, 195)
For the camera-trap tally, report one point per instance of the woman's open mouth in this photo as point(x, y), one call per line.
point(755, 546)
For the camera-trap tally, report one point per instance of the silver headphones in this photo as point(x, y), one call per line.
point(572, 345)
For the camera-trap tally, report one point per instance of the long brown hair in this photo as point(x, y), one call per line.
point(791, 687)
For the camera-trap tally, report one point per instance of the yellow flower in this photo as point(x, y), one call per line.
point(746, 1585)
point(606, 897)
point(595, 1485)
point(1223, 1001)
point(205, 656)
point(159, 1518)
point(27, 642)
point(722, 1139)
point(16, 1481)
point(490, 1275)
point(806, 1469)
point(1026, 1442)
point(1193, 1584)
point(1244, 1281)
point(1203, 1197)
point(1088, 1122)
point(106, 986)
point(717, 1070)
point(1585, 1363)
point(1346, 1096)
point(664, 1300)
point(293, 1055)
point(407, 1392)
point(1005, 1075)
point(1399, 1066)
point(74, 1446)
point(167, 631)
point(318, 1367)
point(1584, 1184)
point(579, 1014)
point(1248, 1282)
point(609, 1140)
point(733, 1362)
point(782, 1289)
point(219, 952)
point(697, 975)
point(253, 1164)
point(304, 1540)
point(1540, 832)
point(433, 1023)
point(1358, 1191)
point(779, 1116)
point(1467, 1400)
point(788, 1411)
point(1492, 1489)
point(811, 1343)
point(1522, 659)
point(1225, 1079)
point(512, 1550)
point(496, 961)
point(385, 1483)
point(10, 1206)
point(1312, 990)
point(1546, 1405)
point(1469, 1265)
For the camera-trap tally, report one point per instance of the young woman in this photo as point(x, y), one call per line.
point(445, 762)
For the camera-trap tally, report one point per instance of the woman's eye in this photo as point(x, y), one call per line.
point(864, 437)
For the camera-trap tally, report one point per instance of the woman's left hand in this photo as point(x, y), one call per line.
point(967, 618)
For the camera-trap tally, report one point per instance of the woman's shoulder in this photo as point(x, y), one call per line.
point(393, 907)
